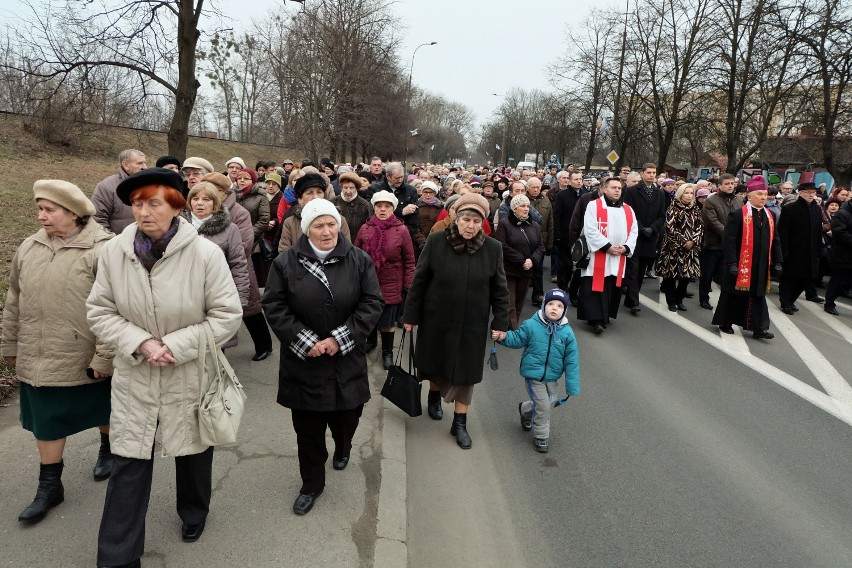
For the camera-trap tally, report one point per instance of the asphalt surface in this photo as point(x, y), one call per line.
point(684, 448)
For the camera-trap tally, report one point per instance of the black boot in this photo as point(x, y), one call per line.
point(103, 467)
point(459, 430)
point(49, 494)
point(434, 405)
point(387, 349)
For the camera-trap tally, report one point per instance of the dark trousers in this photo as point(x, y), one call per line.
point(538, 281)
point(121, 539)
point(838, 284)
point(517, 295)
point(635, 273)
point(674, 289)
point(259, 331)
point(310, 429)
point(554, 264)
point(790, 288)
point(712, 270)
point(564, 267)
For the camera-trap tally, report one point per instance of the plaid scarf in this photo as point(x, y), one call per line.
point(460, 244)
point(149, 250)
point(315, 268)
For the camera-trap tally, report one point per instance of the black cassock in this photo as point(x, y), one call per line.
point(746, 308)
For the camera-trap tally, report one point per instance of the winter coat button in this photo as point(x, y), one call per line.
point(328, 303)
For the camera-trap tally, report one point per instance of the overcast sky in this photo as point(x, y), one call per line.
point(484, 46)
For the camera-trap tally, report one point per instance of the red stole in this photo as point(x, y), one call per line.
point(744, 266)
point(600, 256)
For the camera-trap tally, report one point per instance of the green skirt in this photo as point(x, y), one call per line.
point(52, 413)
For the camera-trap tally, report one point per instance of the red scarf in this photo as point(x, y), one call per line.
point(375, 247)
point(599, 273)
point(744, 268)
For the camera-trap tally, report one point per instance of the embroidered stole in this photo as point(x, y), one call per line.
point(599, 273)
point(744, 267)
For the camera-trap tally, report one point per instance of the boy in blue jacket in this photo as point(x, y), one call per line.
point(550, 349)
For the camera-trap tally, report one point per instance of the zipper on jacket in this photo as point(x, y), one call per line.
point(547, 357)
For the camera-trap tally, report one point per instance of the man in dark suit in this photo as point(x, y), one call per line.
point(649, 204)
point(800, 228)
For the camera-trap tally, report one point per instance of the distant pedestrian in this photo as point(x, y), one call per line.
point(678, 262)
point(800, 233)
point(110, 212)
point(550, 350)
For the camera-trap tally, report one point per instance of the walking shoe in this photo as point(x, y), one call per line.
point(831, 310)
point(526, 423)
point(672, 308)
point(305, 502)
point(726, 329)
point(262, 355)
point(680, 307)
point(634, 310)
point(597, 329)
point(816, 299)
point(706, 305)
point(788, 311)
point(541, 445)
point(763, 334)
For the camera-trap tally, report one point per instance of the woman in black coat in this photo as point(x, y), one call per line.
point(458, 282)
point(322, 299)
point(523, 250)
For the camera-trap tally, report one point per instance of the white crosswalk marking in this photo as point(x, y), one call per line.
point(736, 347)
point(835, 323)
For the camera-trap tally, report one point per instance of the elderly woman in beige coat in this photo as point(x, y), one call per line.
point(61, 368)
point(158, 284)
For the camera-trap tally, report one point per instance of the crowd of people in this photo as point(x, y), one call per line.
point(333, 259)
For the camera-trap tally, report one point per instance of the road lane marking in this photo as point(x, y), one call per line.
point(816, 397)
point(832, 381)
point(835, 323)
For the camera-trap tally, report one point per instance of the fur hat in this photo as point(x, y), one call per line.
point(199, 163)
point(236, 160)
point(309, 180)
point(317, 208)
point(65, 194)
point(144, 178)
point(757, 183)
point(475, 202)
point(384, 197)
point(518, 201)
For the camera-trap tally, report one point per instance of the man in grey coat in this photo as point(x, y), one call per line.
point(110, 212)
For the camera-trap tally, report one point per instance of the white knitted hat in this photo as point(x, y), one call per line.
point(317, 208)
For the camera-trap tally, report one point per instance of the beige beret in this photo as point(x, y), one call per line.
point(199, 163)
point(65, 194)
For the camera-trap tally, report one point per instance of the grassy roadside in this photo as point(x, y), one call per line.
point(25, 159)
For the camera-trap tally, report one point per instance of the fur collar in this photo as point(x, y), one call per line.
point(216, 223)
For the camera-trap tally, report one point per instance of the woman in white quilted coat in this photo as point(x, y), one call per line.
point(157, 283)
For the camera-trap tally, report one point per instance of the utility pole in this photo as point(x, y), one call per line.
point(408, 96)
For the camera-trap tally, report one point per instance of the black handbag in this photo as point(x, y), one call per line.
point(402, 387)
point(580, 252)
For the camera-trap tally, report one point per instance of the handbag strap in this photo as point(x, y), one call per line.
point(411, 358)
point(215, 383)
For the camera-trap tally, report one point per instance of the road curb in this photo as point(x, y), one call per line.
point(392, 525)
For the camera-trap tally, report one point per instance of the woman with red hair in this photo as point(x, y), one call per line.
point(158, 288)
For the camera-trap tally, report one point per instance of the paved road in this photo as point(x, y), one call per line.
point(685, 448)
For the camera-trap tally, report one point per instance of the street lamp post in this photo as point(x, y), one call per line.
point(503, 147)
point(408, 97)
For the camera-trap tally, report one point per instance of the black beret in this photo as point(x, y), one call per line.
point(144, 178)
point(162, 161)
point(309, 180)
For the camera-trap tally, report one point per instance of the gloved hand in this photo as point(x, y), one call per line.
point(733, 270)
point(648, 232)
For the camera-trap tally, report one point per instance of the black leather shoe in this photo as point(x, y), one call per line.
point(597, 329)
point(763, 335)
point(305, 502)
point(726, 329)
point(191, 533)
point(672, 308)
point(135, 564)
point(706, 305)
point(339, 463)
point(794, 307)
point(103, 467)
point(49, 494)
point(680, 307)
point(816, 299)
point(261, 356)
point(832, 310)
point(387, 360)
point(635, 310)
point(459, 431)
point(788, 311)
point(433, 405)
